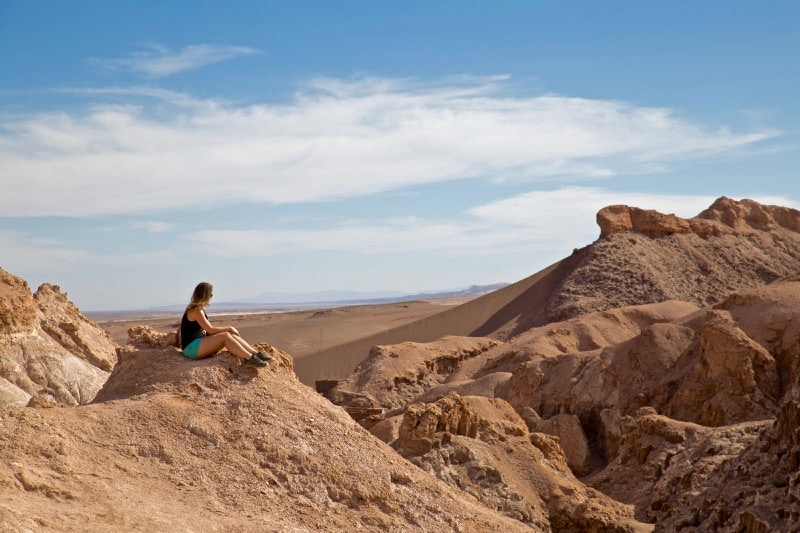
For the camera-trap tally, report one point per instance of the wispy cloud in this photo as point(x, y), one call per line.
point(337, 139)
point(535, 221)
point(152, 226)
point(21, 253)
point(158, 61)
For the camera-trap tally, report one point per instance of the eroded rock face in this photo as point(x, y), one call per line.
point(645, 256)
point(787, 436)
point(48, 350)
point(621, 218)
point(424, 425)
point(728, 375)
point(572, 440)
point(80, 335)
point(731, 378)
point(723, 217)
point(392, 376)
point(18, 312)
point(672, 409)
point(728, 480)
point(747, 215)
point(483, 447)
point(673, 413)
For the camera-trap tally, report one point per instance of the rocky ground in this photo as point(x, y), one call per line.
point(654, 385)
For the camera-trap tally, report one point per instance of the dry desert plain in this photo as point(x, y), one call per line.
point(302, 334)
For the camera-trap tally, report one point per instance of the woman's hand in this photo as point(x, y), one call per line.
point(200, 317)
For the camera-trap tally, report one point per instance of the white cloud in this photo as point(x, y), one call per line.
point(531, 222)
point(24, 255)
point(152, 226)
point(159, 61)
point(336, 140)
point(569, 212)
point(21, 254)
point(371, 238)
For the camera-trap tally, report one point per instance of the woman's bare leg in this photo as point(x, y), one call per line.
point(245, 344)
point(214, 343)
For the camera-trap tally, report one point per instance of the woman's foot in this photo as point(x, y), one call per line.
point(255, 361)
point(264, 357)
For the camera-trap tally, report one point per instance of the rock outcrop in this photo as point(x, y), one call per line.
point(482, 447)
point(48, 350)
point(79, 335)
point(424, 425)
point(213, 445)
point(657, 406)
point(644, 256)
point(723, 217)
point(392, 376)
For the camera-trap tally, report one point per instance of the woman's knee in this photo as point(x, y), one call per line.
point(210, 346)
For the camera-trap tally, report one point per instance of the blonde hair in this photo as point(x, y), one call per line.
point(201, 296)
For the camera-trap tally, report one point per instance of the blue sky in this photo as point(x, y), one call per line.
point(305, 146)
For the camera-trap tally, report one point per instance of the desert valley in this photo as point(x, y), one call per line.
point(650, 381)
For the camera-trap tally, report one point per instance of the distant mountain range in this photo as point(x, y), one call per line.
point(339, 298)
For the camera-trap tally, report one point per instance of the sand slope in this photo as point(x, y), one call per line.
point(641, 257)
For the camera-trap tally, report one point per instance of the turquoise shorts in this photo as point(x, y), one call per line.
point(191, 351)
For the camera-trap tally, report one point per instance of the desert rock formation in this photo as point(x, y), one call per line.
point(644, 256)
point(650, 381)
point(679, 398)
point(641, 257)
point(211, 445)
point(680, 409)
point(48, 349)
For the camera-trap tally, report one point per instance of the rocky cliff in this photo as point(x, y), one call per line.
point(645, 256)
point(48, 349)
point(684, 409)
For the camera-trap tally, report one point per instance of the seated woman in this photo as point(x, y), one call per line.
point(199, 339)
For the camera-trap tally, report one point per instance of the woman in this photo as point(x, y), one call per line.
point(199, 339)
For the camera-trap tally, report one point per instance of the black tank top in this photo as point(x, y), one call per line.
point(190, 330)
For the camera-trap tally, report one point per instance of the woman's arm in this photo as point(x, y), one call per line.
point(200, 317)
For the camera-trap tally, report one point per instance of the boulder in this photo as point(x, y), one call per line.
point(425, 425)
point(572, 440)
